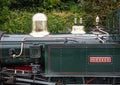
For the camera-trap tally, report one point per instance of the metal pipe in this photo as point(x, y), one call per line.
point(35, 81)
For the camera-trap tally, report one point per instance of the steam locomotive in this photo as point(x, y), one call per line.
point(40, 58)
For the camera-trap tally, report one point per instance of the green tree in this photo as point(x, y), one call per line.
point(17, 14)
point(4, 10)
point(92, 8)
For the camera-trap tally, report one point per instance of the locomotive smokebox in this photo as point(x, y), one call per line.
point(39, 25)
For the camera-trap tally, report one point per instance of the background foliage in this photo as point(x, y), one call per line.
point(16, 15)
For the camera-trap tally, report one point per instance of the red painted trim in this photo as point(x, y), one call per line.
point(100, 59)
point(25, 68)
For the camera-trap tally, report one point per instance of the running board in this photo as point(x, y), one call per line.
point(34, 81)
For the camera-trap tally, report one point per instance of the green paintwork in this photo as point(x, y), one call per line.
point(74, 59)
point(8, 60)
